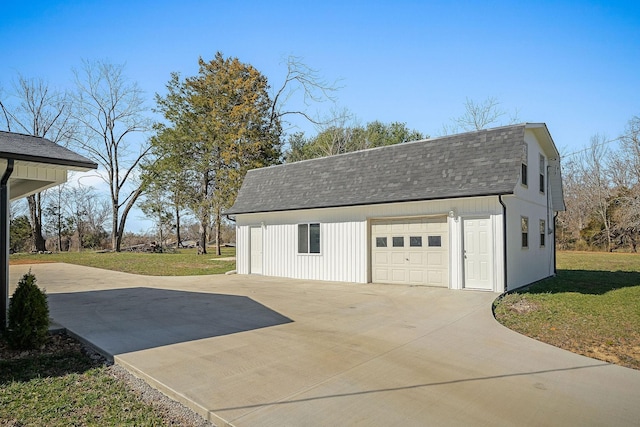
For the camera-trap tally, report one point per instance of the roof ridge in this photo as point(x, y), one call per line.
point(391, 146)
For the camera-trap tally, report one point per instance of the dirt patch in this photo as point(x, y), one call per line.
point(523, 306)
point(56, 344)
point(229, 258)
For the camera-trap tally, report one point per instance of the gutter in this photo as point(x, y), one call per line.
point(50, 160)
point(504, 240)
point(4, 241)
point(367, 203)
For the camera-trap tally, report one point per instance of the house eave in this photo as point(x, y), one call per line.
point(69, 164)
point(385, 202)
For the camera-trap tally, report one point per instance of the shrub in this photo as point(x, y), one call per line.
point(28, 315)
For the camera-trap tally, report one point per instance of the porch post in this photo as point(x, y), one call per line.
point(4, 244)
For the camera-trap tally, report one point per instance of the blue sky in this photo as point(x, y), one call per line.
point(572, 64)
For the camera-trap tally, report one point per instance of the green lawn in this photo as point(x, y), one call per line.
point(185, 262)
point(64, 387)
point(592, 307)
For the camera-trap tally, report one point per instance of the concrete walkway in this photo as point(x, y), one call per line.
point(256, 351)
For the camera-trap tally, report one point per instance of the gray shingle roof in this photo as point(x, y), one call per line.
point(485, 162)
point(40, 150)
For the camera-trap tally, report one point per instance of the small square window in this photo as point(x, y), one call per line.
point(398, 242)
point(435, 241)
point(415, 241)
point(381, 242)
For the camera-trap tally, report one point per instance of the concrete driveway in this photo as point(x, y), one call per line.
point(258, 351)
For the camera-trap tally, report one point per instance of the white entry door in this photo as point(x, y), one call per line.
point(478, 259)
point(255, 266)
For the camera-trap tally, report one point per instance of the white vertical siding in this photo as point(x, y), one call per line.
point(342, 255)
point(345, 238)
point(534, 263)
point(242, 250)
point(527, 265)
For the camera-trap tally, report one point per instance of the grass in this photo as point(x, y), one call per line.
point(592, 307)
point(185, 262)
point(65, 387)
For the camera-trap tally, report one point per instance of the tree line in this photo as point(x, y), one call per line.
point(602, 194)
point(212, 128)
point(182, 159)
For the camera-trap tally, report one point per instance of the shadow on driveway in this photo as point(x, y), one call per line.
point(125, 320)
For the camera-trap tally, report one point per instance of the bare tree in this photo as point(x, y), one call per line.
point(625, 175)
point(110, 110)
point(41, 112)
point(301, 78)
point(87, 212)
point(595, 178)
point(576, 197)
point(480, 115)
point(57, 222)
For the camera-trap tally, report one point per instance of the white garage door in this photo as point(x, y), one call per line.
point(410, 251)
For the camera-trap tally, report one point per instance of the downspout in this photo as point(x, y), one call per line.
point(555, 269)
point(4, 241)
point(548, 191)
point(504, 240)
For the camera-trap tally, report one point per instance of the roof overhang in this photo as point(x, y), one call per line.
point(30, 177)
point(28, 165)
point(541, 132)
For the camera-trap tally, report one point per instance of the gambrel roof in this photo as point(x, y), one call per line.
point(481, 163)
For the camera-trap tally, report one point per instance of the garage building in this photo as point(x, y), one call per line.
point(474, 210)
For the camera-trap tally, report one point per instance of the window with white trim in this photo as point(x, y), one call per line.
point(542, 173)
point(525, 160)
point(543, 227)
point(309, 238)
point(524, 222)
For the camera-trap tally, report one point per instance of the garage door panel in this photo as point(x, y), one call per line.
point(435, 276)
point(397, 258)
point(416, 258)
point(417, 227)
point(381, 275)
point(397, 228)
point(435, 258)
point(416, 276)
point(398, 275)
point(381, 258)
point(423, 257)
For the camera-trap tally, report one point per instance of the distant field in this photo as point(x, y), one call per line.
point(185, 262)
point(592, 307)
